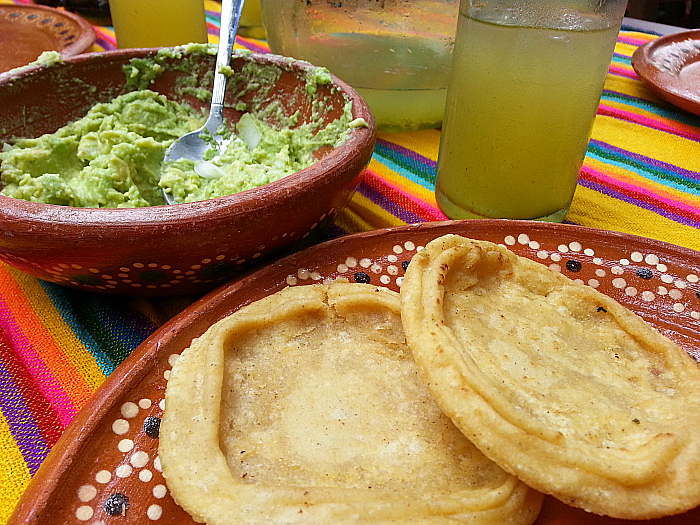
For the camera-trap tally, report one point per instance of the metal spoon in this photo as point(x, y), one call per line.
point(192, 145)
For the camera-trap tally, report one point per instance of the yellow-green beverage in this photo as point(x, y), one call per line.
point(157, 23)
point(520, 108)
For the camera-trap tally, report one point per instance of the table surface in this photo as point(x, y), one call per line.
point(57, 345)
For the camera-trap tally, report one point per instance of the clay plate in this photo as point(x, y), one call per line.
point(26, 31)
point(105, 466)
point(670, 66)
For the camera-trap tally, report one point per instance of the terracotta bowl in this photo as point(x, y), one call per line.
point(185, 248)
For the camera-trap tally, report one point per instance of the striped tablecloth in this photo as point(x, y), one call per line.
point(57, 345)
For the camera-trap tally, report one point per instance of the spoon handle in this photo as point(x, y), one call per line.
point(230, 16)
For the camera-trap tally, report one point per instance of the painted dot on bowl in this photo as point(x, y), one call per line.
point(365, 263)
point(129, 410)
point(692, 278)
point(392, 258)
point(351, 262)
point(648, 296)
point(397, 249)
point(680, 284)
point(662, 290)
point(362, 277)
point(103, 476)
point(637, 256)
point(116, 504)
point(161, 404)
point(159, 491)
point(575, 246)
point(555, 267)
point(617, 270)
point(619, 283)
point(138, 265)
point(589, 252)
point(139, 459)
point(145, 475)
point(675, 294)
point(156, 464)
point(624, 262)
point(542, 254)
point(644, 273)
point(523, 239)
point(695, 315)
point(291, 280)
point(651, 259)
point(376, 268)
point(563, 248)
point(556, 257)
point(509, 240)
point(385, 279)
point(631, 291)
point(666, 278)
point(154, 512)
point(600, 272)
point(125, 445)
point(678, 307)
point(166, 375)
point(534, 245)
point(84, 512)
point(399, 281)
point(151, 426)
point(146, 403)
point(593, 283)
point(124, 471)
point(392, 269)
point(86, 493)
point(120, 427)
point(409, 245)
point(573, 265)
point(662, 267)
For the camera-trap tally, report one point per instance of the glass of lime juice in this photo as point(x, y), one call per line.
point(158, 23)
point(524, 88)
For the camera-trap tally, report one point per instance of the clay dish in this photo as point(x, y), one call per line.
point(181, 249)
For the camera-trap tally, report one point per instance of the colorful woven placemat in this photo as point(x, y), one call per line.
point(641, 176)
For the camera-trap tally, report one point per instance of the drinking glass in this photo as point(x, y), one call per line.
point(526, 80)
point(158, 23)
point(395, 53)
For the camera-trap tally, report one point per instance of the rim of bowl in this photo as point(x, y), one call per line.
point(358, 145)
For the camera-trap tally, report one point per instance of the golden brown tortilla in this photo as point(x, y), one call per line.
point(307, 407)
point(557, 383)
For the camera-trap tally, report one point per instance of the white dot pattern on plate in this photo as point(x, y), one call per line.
point(642, 277)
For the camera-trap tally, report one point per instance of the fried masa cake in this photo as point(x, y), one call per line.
point(306, 407)
point(557, 383)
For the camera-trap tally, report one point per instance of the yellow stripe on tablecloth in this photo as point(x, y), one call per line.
point(423, 142)
point(424, 194)
point(629, 86)
point(625, 175)
point(649, 142)
point(361, 214)
point(14, 474)
point(595, 210)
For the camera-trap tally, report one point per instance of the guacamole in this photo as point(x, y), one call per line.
point(113, 156)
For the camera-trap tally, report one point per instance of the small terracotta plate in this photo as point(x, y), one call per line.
point(670, 66)
point(26, 31)
point(105, 468)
